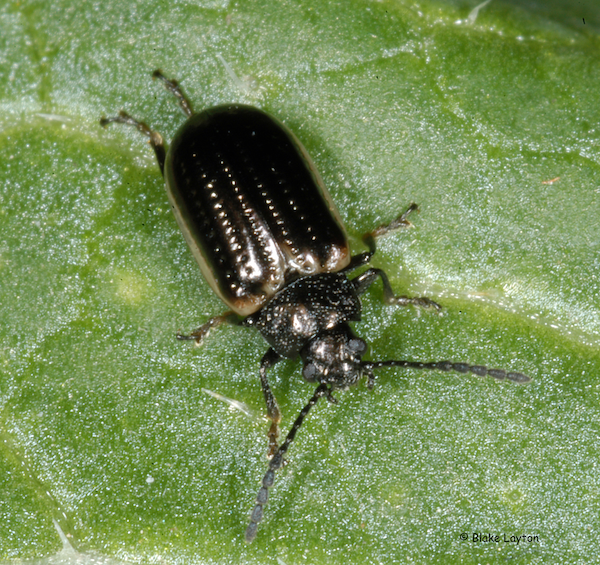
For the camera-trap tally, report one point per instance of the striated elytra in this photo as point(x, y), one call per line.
point(251, 205)
point(269, 240)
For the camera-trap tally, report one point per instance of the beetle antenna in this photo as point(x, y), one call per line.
point(479, 370)
point(277, 462)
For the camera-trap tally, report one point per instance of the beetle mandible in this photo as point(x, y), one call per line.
point(269, 241)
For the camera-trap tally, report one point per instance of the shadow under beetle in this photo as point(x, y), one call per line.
point(269, 241)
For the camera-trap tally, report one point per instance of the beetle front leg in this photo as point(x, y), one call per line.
point(200, 333)
point(269, 360)
point(362, 282)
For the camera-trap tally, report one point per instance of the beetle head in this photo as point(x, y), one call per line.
point(333, 358)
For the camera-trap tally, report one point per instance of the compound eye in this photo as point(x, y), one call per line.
point(357, 346)
point(310, 372)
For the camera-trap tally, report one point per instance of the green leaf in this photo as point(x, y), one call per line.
point(107, 429)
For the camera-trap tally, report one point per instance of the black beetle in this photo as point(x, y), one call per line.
point(269, 241)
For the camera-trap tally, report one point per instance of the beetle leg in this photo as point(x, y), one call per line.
point(200, 333)
point(269, 360)
point(173, 87)
point(369, 238)
point(363, 281)
point(400, 222)
point(358, 261)
point(154, 138)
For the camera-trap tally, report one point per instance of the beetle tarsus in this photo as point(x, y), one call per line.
point(369, 238)
point(154, 138)
point(173, 86)
point(200, 334)
point(400, 222)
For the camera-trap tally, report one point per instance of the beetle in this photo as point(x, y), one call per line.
point(270, 242)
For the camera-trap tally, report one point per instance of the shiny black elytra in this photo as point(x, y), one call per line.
point(269, 241)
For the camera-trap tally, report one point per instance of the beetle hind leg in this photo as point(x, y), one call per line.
point(154, 138)
point(173, 87)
